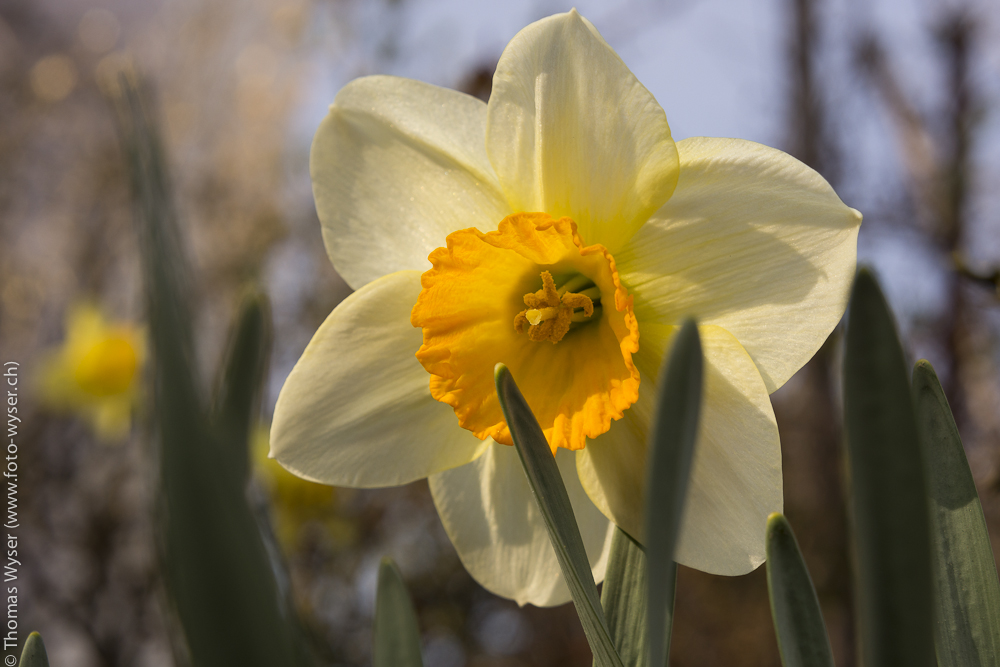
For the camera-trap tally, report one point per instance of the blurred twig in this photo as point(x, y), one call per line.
point(916, 143)
point(987, 280)
point(940, 172)
point(809, 131)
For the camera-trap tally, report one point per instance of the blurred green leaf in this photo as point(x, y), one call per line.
point(967, 629)
point(396, 634)
point(798, 621)
point(236, 401)
point(553, 501)
point(888, 489)
point(216, 568)
point(672, 440)
point(624, 599)
point(33, 654)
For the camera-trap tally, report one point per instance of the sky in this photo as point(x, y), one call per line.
point(702, 60)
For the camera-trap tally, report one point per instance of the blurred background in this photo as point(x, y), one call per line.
point(895, 102)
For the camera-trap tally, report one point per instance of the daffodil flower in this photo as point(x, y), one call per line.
point(95, 373)
point(559, 230)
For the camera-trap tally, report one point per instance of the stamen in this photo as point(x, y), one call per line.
point(579, 317)
point(536, 316)
point(551, 313)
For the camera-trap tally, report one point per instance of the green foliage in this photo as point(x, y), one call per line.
point(553, 501)
point(238, 391)
point(798, 621)
point(396, 636)
point(674, 431)
point(967, 629)
point(888, 489)
point(33, 654)
point(624, 599)
point(216, 567)
point(926, 579)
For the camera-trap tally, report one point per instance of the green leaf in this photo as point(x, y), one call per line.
point(674, 431)
point(238, 393)
point(396, 636)
point(553, 501)
point(888, 489)
point(216, 567)
point(33, 654)
point(967, 631)
point(624, 599)
point(798, 621)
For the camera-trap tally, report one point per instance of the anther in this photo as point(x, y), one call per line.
point(537, 316)
point(550, 313)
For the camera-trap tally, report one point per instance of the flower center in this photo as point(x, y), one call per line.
point(107, 367)
point(551, 312)
point(475, 291)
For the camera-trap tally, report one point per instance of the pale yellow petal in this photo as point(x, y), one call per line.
point(493, 521)
point(736, 476)
point(572, 132)
point(396, 166)
point(753, 241)
point(357, 410)
point(612, 467)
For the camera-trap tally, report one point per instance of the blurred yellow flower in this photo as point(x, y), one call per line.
point(558, 229)
point(96, 373)
point(296, 502)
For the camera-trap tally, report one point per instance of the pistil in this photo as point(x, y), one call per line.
point(551, 312)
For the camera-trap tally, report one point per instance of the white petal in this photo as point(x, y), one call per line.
point(397, 165)
point(357, 410)
point(572, 132)
point(736, 476)
point(753, 241)
point(496, 527)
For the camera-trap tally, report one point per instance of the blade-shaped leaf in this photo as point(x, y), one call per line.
point(624, 599)
point(888, 489)
point(553, 501)
point(216, 567)
point(33, 654)
point(671, 444)
point(965, 575)
point(242, 374)
point(396, 636)
point(798, 621)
